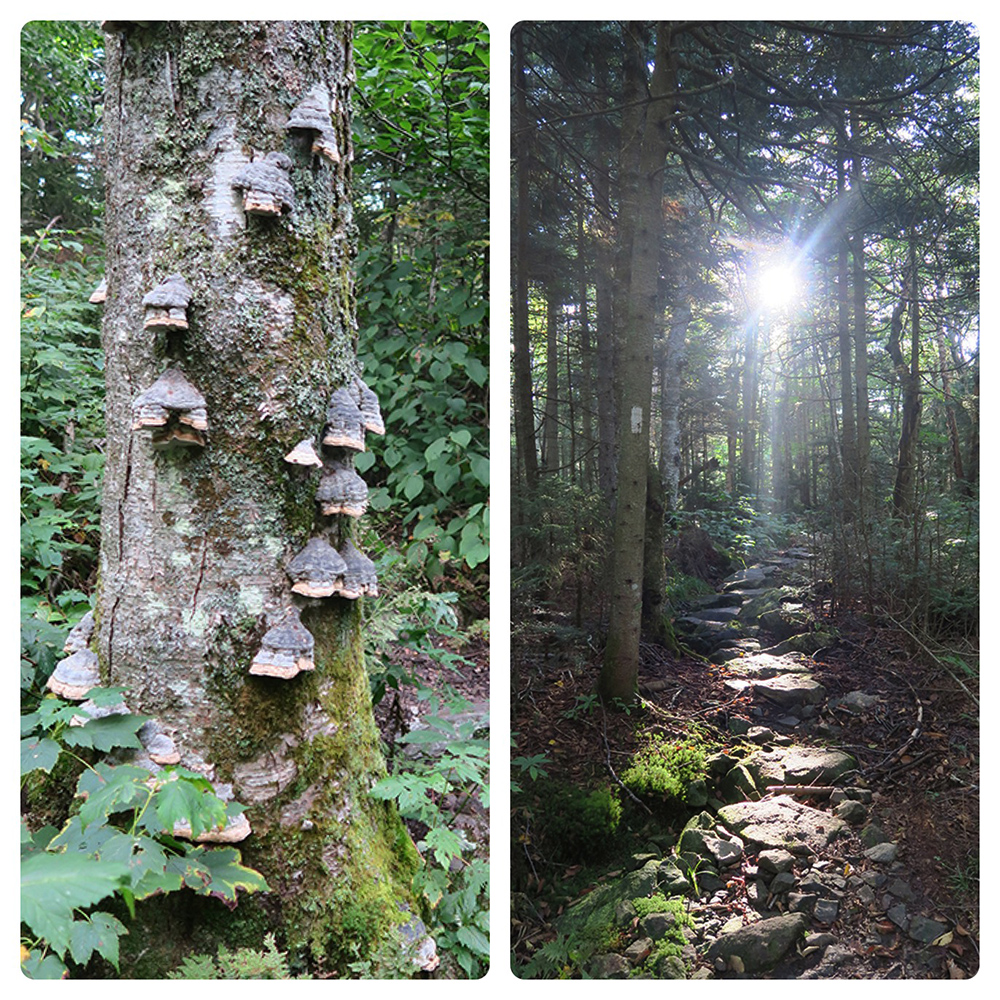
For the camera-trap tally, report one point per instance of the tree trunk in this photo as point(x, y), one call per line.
point(550, 442)
point(619, 675)
point(524, 411)
point(908, 374)
point(196, 539)
point(670, 401)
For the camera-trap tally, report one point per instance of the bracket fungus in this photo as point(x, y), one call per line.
point(79, 636)
point(285, 650)
point(317, 570)
point(75, 676)
point(371, 412)
point(312, 117)
point(342, 491)
point(100, 293)
point(304, 453)
point(158, 745)
point(359, 575)
point(94, 711)
point(345, 423)
point(236, 828)
point(266, 187)
point(175, 410)
point(166, 305)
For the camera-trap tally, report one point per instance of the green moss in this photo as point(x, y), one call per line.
point(665, 768)
point(576, 824)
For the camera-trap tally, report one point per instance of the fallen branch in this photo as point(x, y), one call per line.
point(611, 770)
point(802, 791)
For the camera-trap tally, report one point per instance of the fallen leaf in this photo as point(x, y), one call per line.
point(954, 972)
point(944, 940)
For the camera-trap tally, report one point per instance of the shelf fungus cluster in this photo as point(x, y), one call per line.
point(286, 649)
point(311, 118)
point(76, 675)
point(174, 409)
point(265, 185)
point(319, 570)
point(342, 491)
point(166, 306)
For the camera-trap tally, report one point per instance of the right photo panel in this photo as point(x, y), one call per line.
point(745, 500)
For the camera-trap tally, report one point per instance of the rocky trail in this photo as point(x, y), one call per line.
point(827, 834)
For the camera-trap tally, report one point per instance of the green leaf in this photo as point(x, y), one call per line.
point(461, 437)
point(218, 872)
point(107, 733)
point(445, 843)
point(107, 790)
point(480, 468)
point(53, 885)
point(39, 754)
point(178, 800)
point(37, 966)
point(97, 932)
point(474, 939)
point(413, 486)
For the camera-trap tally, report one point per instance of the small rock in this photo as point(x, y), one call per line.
point(873, 834)
point(852, 812)
point(656, 925)
point(819, 939)
point(826, 910)
point(882, 854)
point(897, 914)
point(625, 913)
point(760, 735)
point(776, 861)
point(925, 931)
point(900, 890)
point(671, 967)
point(782, 882)
point(802, 902)
point(639, 950)
point(610, 966)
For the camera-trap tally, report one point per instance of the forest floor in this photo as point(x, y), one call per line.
point(925, 792)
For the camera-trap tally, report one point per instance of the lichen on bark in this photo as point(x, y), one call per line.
point(195, 541)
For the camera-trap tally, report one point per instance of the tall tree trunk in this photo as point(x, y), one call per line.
point(670, 400)
point(196, 541)
point(621, 660)
point(550, 442)
point(586, 358)
point(908, 375)
point(524, 411)
point(848, 427)
point(606, 353)
point(749, 422)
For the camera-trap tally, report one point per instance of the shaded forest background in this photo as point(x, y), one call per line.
point(813, 359)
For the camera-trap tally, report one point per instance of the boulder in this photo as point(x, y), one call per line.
point(792, 689)
point(759, 945)
point(784, 823)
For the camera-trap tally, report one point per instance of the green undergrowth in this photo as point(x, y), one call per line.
point(665, 769)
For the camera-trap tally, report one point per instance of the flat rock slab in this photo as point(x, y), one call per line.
point(783, 823)
point(791, 689)
point(752, 577)
point(815, 765)
point(765, 665)
point(696, 604)
point(714, 614)
point(759, 945)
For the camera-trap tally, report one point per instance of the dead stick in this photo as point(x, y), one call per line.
point(803, 791)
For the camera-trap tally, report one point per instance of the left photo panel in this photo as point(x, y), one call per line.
point(255, 504)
